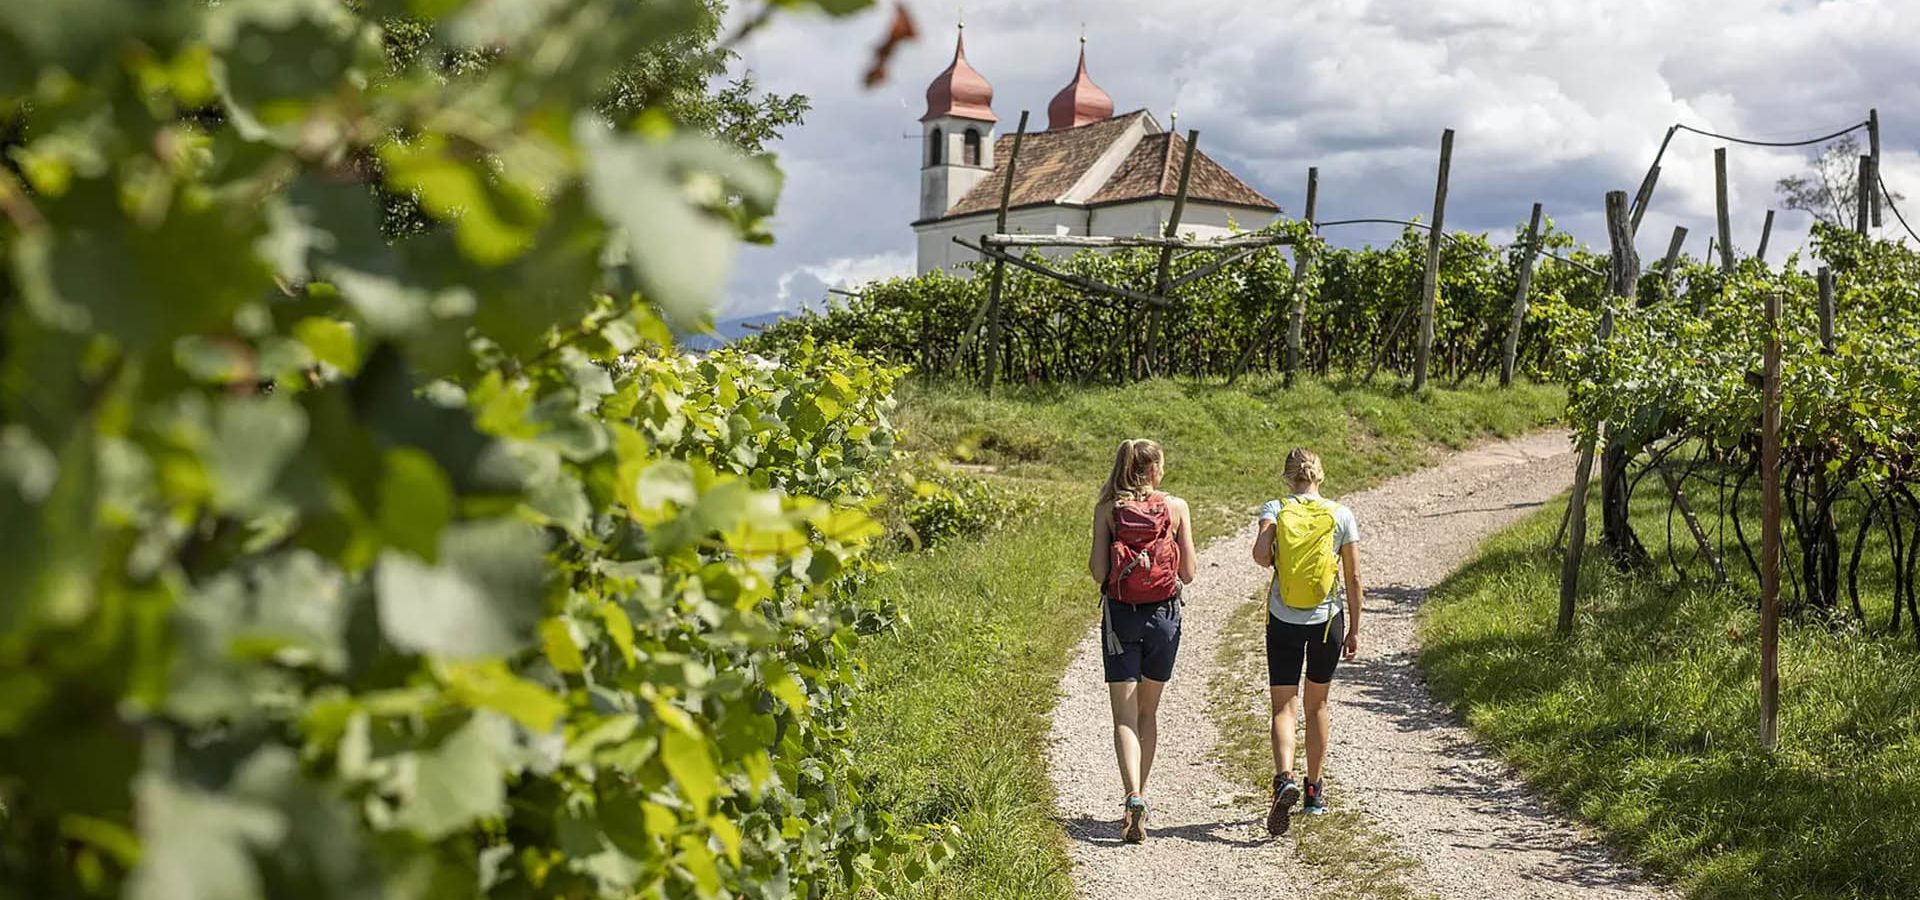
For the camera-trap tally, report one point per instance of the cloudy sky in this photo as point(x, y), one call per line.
point(1558, 101)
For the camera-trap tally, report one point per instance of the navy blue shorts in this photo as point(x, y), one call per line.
point(1149, 636)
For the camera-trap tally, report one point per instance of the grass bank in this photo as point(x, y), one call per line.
point(956, 722)
point(1646, 720)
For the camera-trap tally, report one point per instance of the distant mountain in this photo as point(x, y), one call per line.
point(726, 331)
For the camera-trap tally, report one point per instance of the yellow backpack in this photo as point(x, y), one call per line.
point(1304, 562)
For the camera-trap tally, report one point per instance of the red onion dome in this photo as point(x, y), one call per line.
point(1081, 102)
point(960, 91)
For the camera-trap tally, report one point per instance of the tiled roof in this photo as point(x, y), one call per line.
point(1153, 170)
point(1052, 162)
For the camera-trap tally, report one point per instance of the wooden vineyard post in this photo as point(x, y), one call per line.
point(1863, 215)
point(1520, 296)
point(1766, 235)
point(1576, 524)
point(1720, 208)
point(1644, 197)
point(1873, 151)
point(1154, 318)
point(1297, 317)
point(1430, 283)
point(1621, 279)
point(999, 267)
point(1826, 310)
point(1770, 531)
point(1673, 257)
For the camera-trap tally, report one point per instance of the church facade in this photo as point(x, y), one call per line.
point(1091, 172)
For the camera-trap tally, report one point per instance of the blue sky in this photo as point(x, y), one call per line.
point(1557, 101)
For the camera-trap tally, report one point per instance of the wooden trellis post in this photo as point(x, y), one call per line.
point(1000, 266)
point(1297, 318)
point(1863, 216)
point(1873, 150)
point(1154, 319)
point(1645, 196)
point(1766, 236)
point(1720, 208)
point(1770, 530)
point(1673, 257)
point(1520, 297)
point(1430, 283)
point(1620, 284)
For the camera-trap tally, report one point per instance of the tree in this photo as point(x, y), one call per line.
point(1831, 191)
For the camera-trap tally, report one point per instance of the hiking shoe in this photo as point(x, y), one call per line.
point(1316, 802)
point(1280, 814)
point(1133, 827)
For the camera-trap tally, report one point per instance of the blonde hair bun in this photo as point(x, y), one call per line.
point(1304, 469)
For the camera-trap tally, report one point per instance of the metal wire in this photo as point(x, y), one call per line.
point(1887, 197)
point(1543, 251)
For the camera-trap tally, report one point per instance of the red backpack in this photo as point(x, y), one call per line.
point(1144, 559)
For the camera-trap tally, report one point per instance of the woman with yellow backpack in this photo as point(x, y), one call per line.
point(1309, 541)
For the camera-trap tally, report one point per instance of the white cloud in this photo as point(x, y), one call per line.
point(801, 284)
point(1558, 101)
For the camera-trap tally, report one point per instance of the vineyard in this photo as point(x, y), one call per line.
point(1361, 309)
point(1675, 385)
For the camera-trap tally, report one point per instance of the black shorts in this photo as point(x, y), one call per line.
point(1318, 646)
point(1149, 636)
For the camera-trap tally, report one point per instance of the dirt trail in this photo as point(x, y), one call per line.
point(1397, 755)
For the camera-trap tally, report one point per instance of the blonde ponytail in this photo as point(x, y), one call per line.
point(1132, 475)
point(1303, 469)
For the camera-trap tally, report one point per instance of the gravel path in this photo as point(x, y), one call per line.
point(1398, 755)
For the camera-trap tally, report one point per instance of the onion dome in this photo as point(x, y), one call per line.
point(1081, 102)
point(960, 91)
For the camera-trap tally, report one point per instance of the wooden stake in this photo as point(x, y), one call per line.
point(1297, 318)
point(1720, 208)
point(1577, 506)
point(1430, 284)
point(1693, 525)
point(1081, 282)
point(1644, 197)
point(1766, 234)
point(1873, 150)
point(1520, 296)
point(1863, 215)
point(1673, 256)
point(1154, 319)
point(1770, 531)
point(1000, 266)
point(1826, 311)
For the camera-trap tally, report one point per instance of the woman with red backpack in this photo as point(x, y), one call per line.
point(1142, 554)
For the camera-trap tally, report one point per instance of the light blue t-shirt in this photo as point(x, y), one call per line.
point(1345, 531)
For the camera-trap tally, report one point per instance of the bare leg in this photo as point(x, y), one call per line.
point(1282, 703)
point(1126, 732)
point(1149, 710)
point(1319, 720)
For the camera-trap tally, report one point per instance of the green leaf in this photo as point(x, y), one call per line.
point(556, 639)
point(489, 685)
point(198, 845)
point(460, 780)
point(482, 600)
point(689, 759)
point(253, 440)
point(416, 503)
point(331, 341)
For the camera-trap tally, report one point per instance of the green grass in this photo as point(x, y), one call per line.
point(955, 723)
point(1646, 721)
point(1354, 860)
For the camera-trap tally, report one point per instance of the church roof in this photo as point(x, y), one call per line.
point(1052, 163)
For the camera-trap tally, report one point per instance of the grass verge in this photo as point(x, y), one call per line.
point(1646, 720)
point(955, 723)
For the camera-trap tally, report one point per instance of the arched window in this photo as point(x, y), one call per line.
point(971, 153)
point(934, 140)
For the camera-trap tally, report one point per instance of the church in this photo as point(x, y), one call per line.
point(1091, 172)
